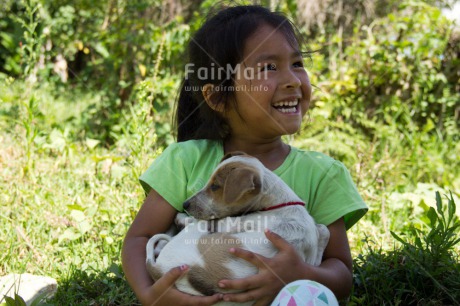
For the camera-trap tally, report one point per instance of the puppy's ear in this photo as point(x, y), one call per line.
point(231, 154)
point(239, 182)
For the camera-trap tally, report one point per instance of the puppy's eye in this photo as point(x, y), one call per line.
point(214, 187)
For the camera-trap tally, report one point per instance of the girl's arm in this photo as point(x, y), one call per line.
point(155, 216)
point(335, 271)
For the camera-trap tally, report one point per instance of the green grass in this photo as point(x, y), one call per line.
point(66, 204)
point(66, 219)
point(424, 270)
point(67, 201)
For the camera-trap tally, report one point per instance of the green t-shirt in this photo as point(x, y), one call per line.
point(323, 183)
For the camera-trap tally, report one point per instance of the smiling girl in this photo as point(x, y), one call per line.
point(265, 96)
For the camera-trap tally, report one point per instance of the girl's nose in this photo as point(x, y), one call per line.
point(291, 80)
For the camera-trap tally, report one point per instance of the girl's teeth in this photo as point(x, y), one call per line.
point(286, 103)
point(287, 107)
point(287, 110)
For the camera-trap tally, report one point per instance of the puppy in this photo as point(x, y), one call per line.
point(240, 201)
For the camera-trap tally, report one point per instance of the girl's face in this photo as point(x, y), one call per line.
point(272, 88)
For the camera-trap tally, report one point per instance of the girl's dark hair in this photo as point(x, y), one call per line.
point(219, 44)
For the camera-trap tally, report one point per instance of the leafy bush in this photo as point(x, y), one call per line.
point(387, 104)
point(425, 270)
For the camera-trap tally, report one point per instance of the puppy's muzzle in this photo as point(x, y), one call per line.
point(193, 208)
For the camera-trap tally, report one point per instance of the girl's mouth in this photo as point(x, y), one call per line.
point(287, 107)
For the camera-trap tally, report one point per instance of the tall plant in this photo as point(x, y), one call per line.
point(424, 270)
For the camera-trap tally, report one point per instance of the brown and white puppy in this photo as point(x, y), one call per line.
point(240, 201)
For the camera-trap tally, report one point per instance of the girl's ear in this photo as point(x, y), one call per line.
point(211, 98)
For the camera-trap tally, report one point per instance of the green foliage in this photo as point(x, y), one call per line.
point(400, 71)
point(425, 270)
point(435, 247)
point(108, 46)
point(385, 103)
point(19, 301)
point(100, 288)
point(386, 97)
point(10, 35)
point(16, 301)
point(32, 39)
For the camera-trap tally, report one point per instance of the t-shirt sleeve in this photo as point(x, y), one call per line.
point(168, 176)
point(336, 197)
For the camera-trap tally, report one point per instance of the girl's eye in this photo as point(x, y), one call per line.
point(269, 67)
point(214, 187)
point(298, 64)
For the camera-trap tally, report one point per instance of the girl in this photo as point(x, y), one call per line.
point(245, 87)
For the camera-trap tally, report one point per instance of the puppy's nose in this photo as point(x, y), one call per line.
point(186, 205)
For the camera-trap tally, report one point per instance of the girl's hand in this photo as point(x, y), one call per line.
point(274, 273)
point(164, 292)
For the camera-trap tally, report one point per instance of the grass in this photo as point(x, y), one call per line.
point(424, 270)
point(67, 201)
point(66, 205)
point(66, 219)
